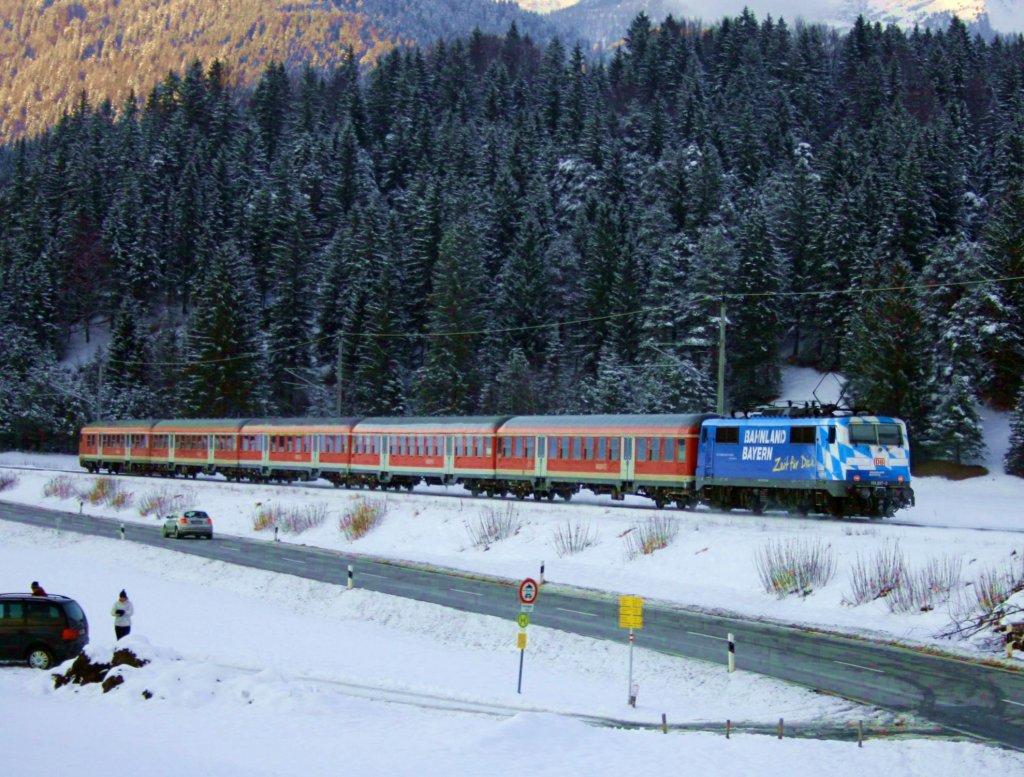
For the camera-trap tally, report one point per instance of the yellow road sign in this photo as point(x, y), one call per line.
point(631, 612)
point(521, 640)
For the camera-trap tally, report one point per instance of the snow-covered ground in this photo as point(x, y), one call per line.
point(255, 673)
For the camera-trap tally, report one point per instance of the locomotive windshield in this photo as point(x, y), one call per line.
point(875, 434)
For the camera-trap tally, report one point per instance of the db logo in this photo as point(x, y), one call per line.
point(880, 462)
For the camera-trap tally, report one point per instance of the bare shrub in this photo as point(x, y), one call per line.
point(108, 491)
point(62, 487)
point(872, 579)
point(362, 516)
point(573, 537)
point(981, 603)
point(795, 566)
point(162, 501)
point(919, 591)
point(493, 524)
point(653, 534)
point(265, 516)
point(290, 520)
point(7, 480)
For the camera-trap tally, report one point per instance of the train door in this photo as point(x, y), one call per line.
point(542, 457)
point(449, 457)
point(707, 447)
point(628, 464)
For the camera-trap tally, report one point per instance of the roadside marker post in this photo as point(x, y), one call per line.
point(732, 654)
point(350, 577)
point(122, 531)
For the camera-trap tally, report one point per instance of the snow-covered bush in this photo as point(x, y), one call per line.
point(8, 480)
point(62, 487)
point(162, 501)
point(108, 491)
point(493, 524)
point(291, 520)
point(363, 516)
point(653, 534)
point(573, 537)
point(872, 579)
point(919, 591)
point(795, 566)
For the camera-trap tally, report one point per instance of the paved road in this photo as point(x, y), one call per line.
point(961, 696)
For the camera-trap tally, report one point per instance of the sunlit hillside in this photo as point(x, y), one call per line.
point(51, 51)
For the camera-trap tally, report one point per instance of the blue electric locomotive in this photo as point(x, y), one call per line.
point(839, 465)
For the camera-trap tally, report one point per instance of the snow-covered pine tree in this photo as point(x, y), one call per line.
point(1014, 461)
point(449, 382)
point(753, 373)
point(225, 371)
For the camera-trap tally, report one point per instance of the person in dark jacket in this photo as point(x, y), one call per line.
point(37, 590)
point(122, 612)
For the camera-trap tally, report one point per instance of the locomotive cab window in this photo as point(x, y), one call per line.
point(727, 434)
point(875, 434)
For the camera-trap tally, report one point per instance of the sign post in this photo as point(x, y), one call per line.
point(528, 592)
point(631, 616)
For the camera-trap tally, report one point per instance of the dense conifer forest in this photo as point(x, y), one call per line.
point(490, 225)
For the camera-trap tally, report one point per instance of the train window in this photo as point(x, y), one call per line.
point(529, 447)
point(479, 445)
point(577, 448)
point(458, 445)
point(680, 450)
point(727, 434)
point(641, 449)
point(542, 447)
point(602, 448)
point(489, 446)
point(889, 434)
point(670, 449)
point(802, 435)
point(563, 448)
point(588, 448)
point(831, 435)
point(613, 449)
point(519, 447)
point(552, 447)
point(656, 449)
point(421, 443)
point(627, 448)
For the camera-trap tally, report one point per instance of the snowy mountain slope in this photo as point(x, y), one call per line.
point(1001, 16)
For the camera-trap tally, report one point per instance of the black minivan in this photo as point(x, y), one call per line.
point(41, 630)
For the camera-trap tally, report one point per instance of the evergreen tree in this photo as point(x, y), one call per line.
point(225, 370)
point(449, 382)
point(1013, 464)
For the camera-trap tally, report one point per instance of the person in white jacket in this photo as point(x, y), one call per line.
point(122, 612)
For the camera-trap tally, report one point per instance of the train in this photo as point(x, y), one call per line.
point(837, 465)
point(833, 464)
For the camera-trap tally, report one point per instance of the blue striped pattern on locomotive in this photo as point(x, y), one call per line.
point(869, 449)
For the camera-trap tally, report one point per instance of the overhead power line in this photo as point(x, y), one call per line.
point(705, 298)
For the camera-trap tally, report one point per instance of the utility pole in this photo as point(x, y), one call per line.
point(99, 391)
point(341, 373)
point(720, 404)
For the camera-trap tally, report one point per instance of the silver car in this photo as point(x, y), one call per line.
point(185, 523)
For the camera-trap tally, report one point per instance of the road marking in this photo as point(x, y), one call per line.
point(578, 612)
point(470, 593)
point(370, 574)
point(858, 666)
point(706, 636)
point(1011, 701)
